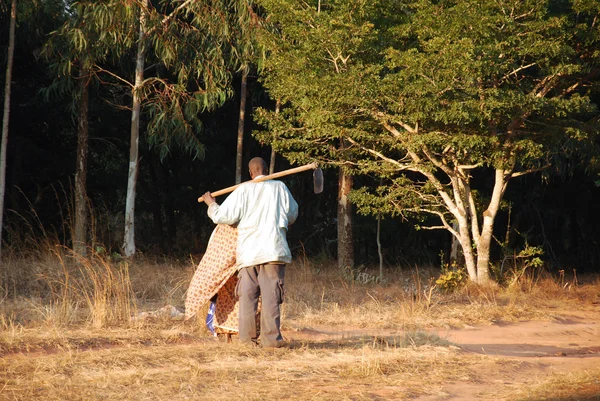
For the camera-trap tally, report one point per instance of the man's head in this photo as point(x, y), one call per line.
point(257, 167)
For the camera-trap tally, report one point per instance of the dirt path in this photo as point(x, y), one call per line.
point(566, 346)
point(529, 360)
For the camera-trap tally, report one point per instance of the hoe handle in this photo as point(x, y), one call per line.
point(311, 166)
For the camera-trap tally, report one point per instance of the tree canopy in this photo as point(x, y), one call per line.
point(432, 93)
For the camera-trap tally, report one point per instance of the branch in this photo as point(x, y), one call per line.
point(514, 72)
point(473, 213)
point(469, 167)
point(437, 163)
point(179, 7)
point(380, 155)
point(417, 160)
point(334, 60)
point(397, 133)
point(533, 170)
point(545, 85)
point(100, 69)
point(444, 225)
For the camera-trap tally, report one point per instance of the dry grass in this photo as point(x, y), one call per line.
point(317, 296)
point(570, 387)
point(66, 333)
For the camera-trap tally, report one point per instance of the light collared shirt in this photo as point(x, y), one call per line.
point(262, 211)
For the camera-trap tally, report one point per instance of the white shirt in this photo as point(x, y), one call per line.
point(263, 211)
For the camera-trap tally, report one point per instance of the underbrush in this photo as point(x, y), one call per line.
point(63, 289)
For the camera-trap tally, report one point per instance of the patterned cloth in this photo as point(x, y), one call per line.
point(216, 275)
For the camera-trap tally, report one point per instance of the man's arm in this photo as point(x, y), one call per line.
point(226, 213)
point(292, 213)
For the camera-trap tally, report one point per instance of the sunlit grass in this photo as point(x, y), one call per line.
point(67, 333)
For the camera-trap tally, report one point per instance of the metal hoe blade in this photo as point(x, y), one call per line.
point(318, 180)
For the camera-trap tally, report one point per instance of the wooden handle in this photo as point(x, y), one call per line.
point(283, 173)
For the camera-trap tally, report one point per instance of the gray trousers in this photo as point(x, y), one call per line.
point(254, 281)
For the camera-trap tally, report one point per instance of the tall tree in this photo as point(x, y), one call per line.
point(250, 55)
point(306, 67)
point(80, 223)
point(241, 122)
point(444, 91)
point(129, 240)
point(189, 50)
point(6, 113)
point(75, 49)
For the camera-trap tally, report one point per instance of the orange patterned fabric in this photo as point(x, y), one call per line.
point(216, 275)
point(227, 309)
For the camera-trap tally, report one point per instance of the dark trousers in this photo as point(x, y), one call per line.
point(266, 281)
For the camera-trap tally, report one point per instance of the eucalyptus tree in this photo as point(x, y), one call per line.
point(74, 50)
point(443, 91)
point(183, 53)
point(6, 112)
point(249, 53)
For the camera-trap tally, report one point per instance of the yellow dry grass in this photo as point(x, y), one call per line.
point(65, 335)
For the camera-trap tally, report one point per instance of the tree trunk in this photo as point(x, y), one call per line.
point(240, 137)
point(455, 250)
point(6, 115)
point(379, 247)
point(344, 223)
point(170, 185)
point(129, 241)
point(80, 223)
point(477, 263)
point(466, 244)
point(487, 228)
point(273, 154)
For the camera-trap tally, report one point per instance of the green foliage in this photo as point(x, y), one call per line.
point(487, 84)
point(191, 49)
point(419, 95)
point(528, 258)
point(451, 278)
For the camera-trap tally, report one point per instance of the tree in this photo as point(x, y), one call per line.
point(249, 54)
point(475, 89)
point(76, 49)
point(129, 241)
point(444, 93)
point(241, 121)
point(6, 113)
point(307, 70)
point(80, 223)
point(188, 48)
point(73, 53)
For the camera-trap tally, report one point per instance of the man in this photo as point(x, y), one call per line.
point(262, 212)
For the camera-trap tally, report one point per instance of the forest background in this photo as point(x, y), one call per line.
point(189, 143)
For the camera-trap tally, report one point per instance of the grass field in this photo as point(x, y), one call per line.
point(67, 333)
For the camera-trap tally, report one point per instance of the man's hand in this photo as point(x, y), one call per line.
point(208, 199)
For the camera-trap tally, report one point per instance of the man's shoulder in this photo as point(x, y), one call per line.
point(274, 183)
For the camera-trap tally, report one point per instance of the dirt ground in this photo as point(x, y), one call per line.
point(555, 359)
point(567, 346)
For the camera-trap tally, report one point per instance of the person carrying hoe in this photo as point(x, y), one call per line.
point(262, 211)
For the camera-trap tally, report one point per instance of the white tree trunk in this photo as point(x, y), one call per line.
point(466, 244)
point(487, 228)
point(477, 263)
point(6, 114)
point(455, 248)
point(129, 241)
